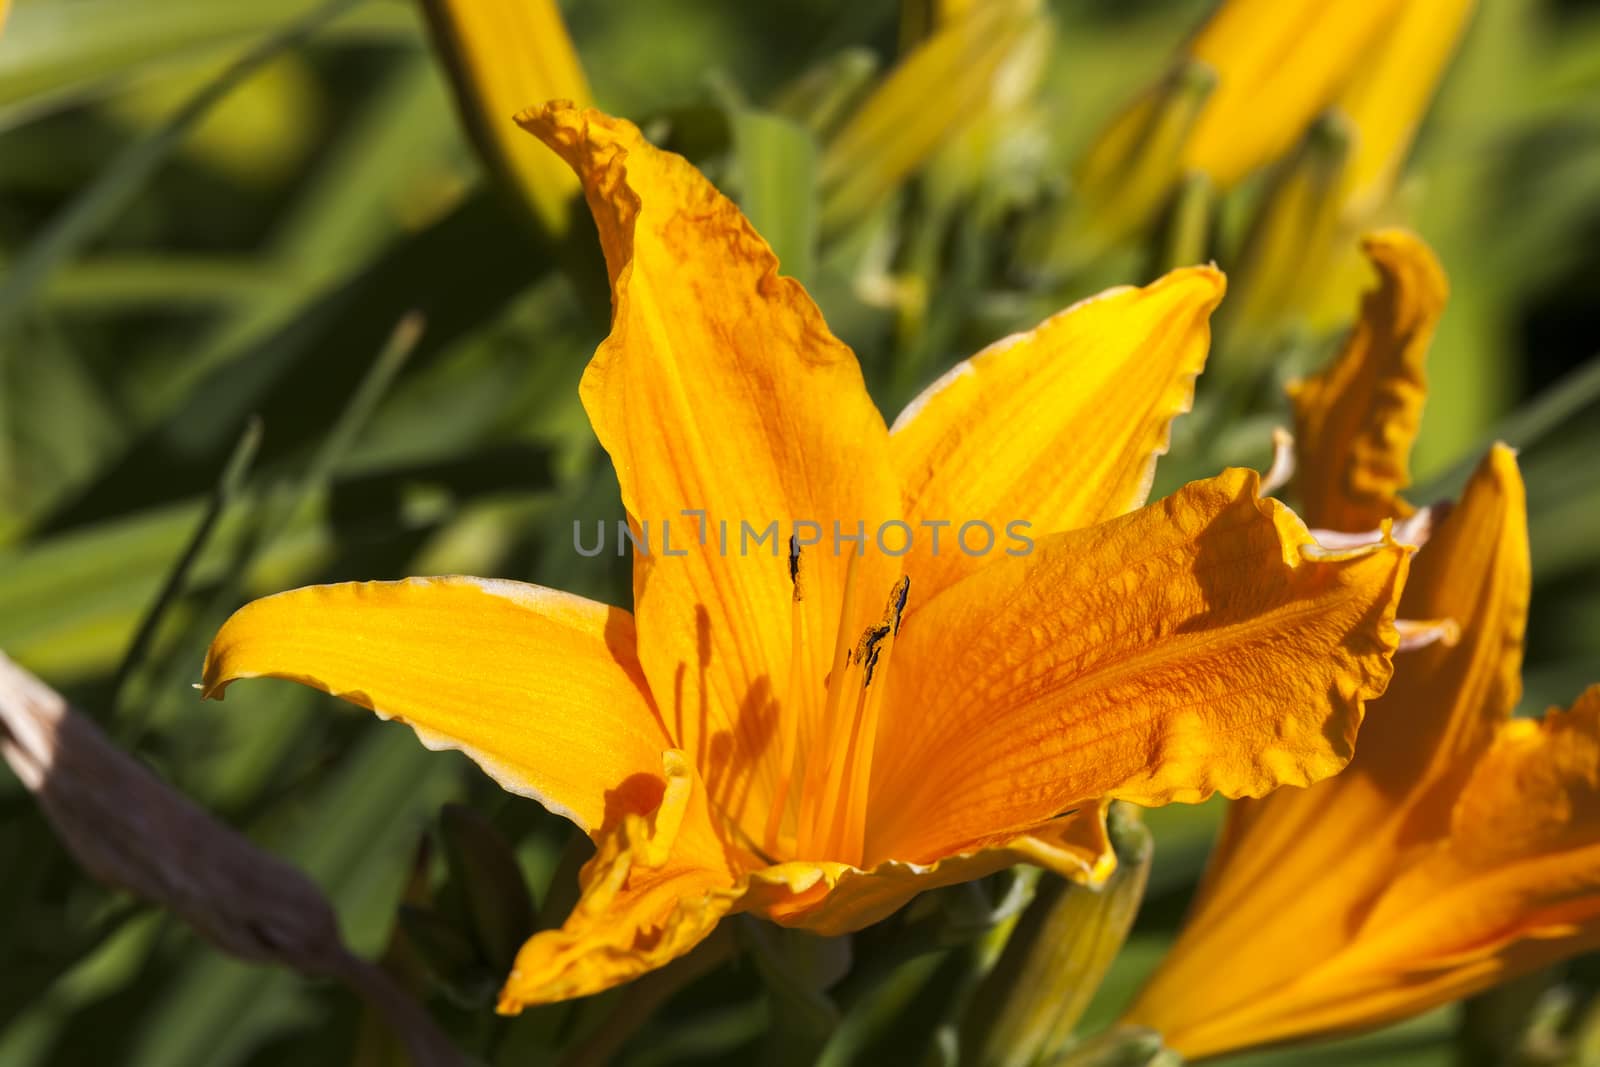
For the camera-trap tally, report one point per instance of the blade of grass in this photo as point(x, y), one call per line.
point(228, 488)
point(345, 213)
point(358, 412)
point(136, 165)
point(1525, 427)
point(777, 169)
point(278, 510)
point(58, 53)
point(116, 281)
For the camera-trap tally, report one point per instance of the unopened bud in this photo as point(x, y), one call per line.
point(1026, 1008)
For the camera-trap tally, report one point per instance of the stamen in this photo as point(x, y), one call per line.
point(789, 713)
point(827, 736)
point(897, 603)
point(794, 566)
point(867, 651)
point(844, 755)
point(874, 652)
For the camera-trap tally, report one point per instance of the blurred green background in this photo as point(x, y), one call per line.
point(213, 216)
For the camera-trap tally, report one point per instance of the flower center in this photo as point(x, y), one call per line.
point(826, 785)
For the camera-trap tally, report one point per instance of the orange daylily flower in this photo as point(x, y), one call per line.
point(761, 734)
point(1460, 847)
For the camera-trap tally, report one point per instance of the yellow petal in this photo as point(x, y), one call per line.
point(1445, 701)
point(540, 688)
point(1058, 427)
point(1514, 887)
point(1202, 644)
point(1267, 905)
point(656, 887)
point(1356, 421)
point(721, 389)
point(1522, 859)
point(1440, 711)
point(835, 898)
point(504, 56)
point(660, 883)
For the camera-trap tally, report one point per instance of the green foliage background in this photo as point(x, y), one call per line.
point(213, 216)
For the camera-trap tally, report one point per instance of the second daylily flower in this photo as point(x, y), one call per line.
point(1461, 847)
point(749, 739)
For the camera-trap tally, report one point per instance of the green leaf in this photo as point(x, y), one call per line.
point(777, 161)
point(58, 50)
point(136, 165)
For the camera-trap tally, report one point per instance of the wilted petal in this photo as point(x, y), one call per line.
point(1202, 644)
point(132, 831)
point(1058, 427)
point(540, 688)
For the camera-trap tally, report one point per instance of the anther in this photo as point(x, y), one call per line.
point(869, 647)
point(897, 602)
point(794, 567)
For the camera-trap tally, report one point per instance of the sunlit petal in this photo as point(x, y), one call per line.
point(540, 688)
point(1059, 427)
point(721, 389)
point(1267, 904)
point(1202, 644)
